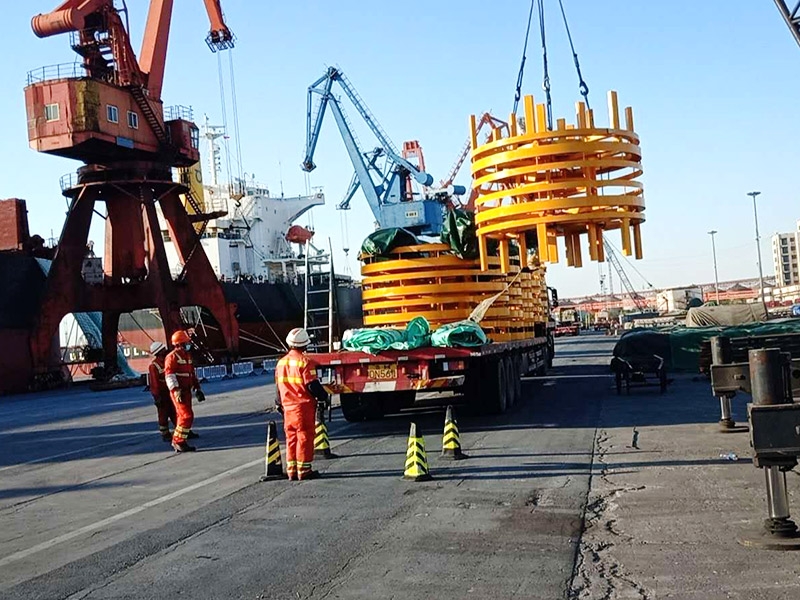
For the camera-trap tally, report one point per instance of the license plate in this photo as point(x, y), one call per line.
point(382, 372)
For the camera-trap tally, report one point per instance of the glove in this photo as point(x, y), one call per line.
point(201, 397)
point(176, 396)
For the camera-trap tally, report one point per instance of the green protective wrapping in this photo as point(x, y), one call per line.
point(462, 334)
point(373, 340)
point(684, 343)
point(381, 242)
point(458, 231)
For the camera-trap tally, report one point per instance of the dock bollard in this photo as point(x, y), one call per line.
point(273, 465)
point(770, 387)
point(722, 354)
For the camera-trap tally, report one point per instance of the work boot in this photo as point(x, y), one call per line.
point(310, 475)
point(166, 436)
point(183, 447)
point(192, 435)
point(292, 477)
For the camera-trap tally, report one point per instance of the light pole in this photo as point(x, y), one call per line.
point(712, 233)
point(754, 195)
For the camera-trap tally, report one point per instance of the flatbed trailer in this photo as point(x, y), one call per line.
point(486, 379)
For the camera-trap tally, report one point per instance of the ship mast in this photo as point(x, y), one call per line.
point(211, 133)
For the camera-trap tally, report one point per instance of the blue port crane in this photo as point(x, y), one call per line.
point(383, 173)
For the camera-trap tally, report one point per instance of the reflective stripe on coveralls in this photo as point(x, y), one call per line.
point(292, 373)
point(181, 380)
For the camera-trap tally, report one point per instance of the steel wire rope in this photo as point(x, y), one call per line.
point(520, 75)
point(224, 108)
point(629, 263)
point(582, 87)
point(235, 109)
point(545, 69)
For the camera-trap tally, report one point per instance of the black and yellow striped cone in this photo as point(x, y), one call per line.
point(274, 466)
point(322, 445)
point(416, 459)
point(451, 442)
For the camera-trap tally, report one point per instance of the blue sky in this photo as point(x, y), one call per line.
point(714, 94)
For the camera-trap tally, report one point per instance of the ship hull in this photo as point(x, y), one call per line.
point(266, 312)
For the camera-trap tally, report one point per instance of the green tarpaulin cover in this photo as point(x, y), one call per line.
point(377, 339)
point(383, 241)
point(458, 231)
point(463, 334)
point(684, 342)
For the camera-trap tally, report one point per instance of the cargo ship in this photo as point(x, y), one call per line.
point(255, 247)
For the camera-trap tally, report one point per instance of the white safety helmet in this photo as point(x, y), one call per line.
point(156, 347)
point(298, 338)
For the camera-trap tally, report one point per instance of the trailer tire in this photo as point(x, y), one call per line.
point(497, 386)
point(517, 374)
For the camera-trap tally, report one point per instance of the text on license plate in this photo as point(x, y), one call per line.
point(379, 372)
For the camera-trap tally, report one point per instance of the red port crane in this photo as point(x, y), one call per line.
point(106, 111)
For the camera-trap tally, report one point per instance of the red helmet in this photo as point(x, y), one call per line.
point(180, 337)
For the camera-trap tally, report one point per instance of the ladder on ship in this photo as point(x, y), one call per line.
point(320, 314)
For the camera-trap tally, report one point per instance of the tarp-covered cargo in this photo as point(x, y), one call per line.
point(725, 316)
point(463, 334)
point(383, 241)
point(458, 231)
point(373, 340)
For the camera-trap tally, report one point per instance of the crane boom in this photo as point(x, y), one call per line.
point(623, 277)
point(383, 174)
point(792, 17)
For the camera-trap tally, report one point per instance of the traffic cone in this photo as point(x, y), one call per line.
point(274, 466)
point(451, 443)
point(322, 446)
point(416, 459)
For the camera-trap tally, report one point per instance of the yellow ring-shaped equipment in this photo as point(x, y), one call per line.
point(565, 182)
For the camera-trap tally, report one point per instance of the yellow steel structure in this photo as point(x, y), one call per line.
point(575, 179)
point(428, 280)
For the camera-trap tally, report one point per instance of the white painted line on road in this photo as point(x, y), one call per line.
point(124, 515)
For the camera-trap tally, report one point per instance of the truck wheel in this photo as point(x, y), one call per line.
point(517, 374)
point(497, 387)
point(511, 396)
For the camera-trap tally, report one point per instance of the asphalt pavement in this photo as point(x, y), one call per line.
point(94, 505)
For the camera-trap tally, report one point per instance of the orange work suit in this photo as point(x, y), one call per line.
point(292, 374)
point(161, 397)
point(181, 380)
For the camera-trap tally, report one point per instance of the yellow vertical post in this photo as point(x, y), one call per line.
point(580, 114)
point(637, 241)
point(541, 119)
point(613, 110)
point(483, 252)
point(530, 118)
point(473, 131)
point(523, 250)
point(576, 251)
point(592, 228)
point(590, 118)
point(626, 237)
point(552, 246)
point(512, 125)
point(541, 236)
point(628, 118)
point(505, 262)
point(561, 124)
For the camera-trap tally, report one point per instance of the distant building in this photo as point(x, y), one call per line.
point(678, 299)
point(784, 258)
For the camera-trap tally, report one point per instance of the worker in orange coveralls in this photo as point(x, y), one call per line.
point(158, 389)
point(299, 390)
point(181, 381)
